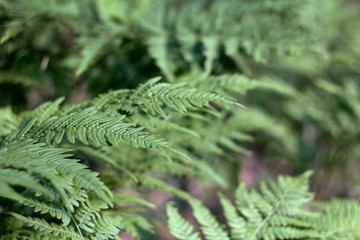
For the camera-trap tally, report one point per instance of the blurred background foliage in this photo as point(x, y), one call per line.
point(294, 65)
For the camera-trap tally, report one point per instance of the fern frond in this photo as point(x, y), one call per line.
point(155, 183)
point(87, 214)
point(120, 199)
point(19, 236)
point(107, 227)
point(91, 49)
point(133, 222)
point(12, 29)
point(162, 125)
point(179, 227)
point(235, 222)
point(12, 177)
point(158, 49)
point(275, 213)
point(8, 121)
point(43, 208)
point(89, 126)
point(209, 225)
point(238, 83)
point(246, 206)
point(339, 220)
point(101, 155)
point(284, 198)
point(156, 98)
point(70, 180)
point(35, 9)
point(66, 232)
point(52, 164)
point(45, 110)
point(174, 96)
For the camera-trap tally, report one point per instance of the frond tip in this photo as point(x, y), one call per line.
point(156, 98)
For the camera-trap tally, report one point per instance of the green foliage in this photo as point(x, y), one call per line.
point(340, 220)
point(180, 228)
point(55, 185)
point(279, 210)
point(273, 82)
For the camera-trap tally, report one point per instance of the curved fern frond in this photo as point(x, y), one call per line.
point(174, 96)
point(12, 177)
point(43, 208)
point(89, 126)
point(65, 232)
point(55, 166)
point(157, 98)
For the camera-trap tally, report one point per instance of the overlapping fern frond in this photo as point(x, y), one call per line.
point(69, 199)
point(210, 53)
point(275, 212)
point(156, 98)
point(59, 188)
point(279, 210)
point(53, 185)
point(98, 122)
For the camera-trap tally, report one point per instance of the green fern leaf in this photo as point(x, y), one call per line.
point(52, 209)
point(236, 223)
point(49, 228)
point(45, 110)
point(120, 199)
point(152, 96)
point(133, 222)
point(211, 45)
point(92, 48)
point(90, 126)
point(12, 177)
point(209, 225)
point(157, 46)
point(8, 121)
point(180, 228)
point(284, 198)
point(52, 164)
point(339, 220)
